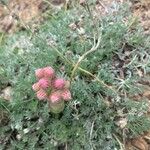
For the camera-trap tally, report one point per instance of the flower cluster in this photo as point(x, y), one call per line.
point(51, 88)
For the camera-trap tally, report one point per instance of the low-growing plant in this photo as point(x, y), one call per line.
point(49, 87)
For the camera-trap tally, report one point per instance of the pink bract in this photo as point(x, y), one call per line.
point(41, 95)
point(55, 97)
point(59, 83)
point(36, 86)
point(66, 95)
point(44, 83)
point(49, 72)
point(39, 73)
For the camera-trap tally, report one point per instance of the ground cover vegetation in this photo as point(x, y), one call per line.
point(106, 59)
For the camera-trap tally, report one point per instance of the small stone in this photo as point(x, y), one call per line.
point(7, 93)
point(81, 31)
point(25, 131)
point(18, 136)
point(122, 122)
point(82, 2)
point(73, 26)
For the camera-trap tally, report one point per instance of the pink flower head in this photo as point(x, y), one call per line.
point(55, 97)
point(59, 83)
point(49, 72)
point(41, 95)
point(39, 73)
point(36, 86)
point(66, 95)
point(44, 83)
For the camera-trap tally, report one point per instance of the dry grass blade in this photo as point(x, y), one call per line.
point(94, 48)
